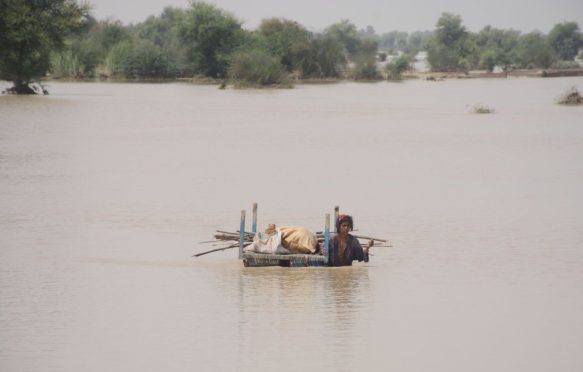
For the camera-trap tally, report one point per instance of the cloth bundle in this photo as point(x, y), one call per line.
point(284, 240)
point(298, 239)
point(268, 242)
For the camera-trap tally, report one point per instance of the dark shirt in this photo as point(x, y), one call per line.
point(353, 252)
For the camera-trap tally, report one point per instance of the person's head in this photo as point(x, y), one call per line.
point(344, 222)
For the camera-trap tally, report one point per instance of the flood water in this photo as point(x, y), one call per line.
point(106, 190)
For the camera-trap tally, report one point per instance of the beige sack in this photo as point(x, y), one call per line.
point(298, 239)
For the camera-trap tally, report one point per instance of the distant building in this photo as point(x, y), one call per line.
point(420, 63)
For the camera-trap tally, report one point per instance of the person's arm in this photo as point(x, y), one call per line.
point(366, 249)
point(358, 253)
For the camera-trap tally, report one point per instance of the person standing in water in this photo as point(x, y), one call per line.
point(345, 248)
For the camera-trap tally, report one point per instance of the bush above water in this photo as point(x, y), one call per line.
point(366, 69)
point(140, 59)
point(396, 67)
point(571, 97)
point(482, 109)
point(257, 68)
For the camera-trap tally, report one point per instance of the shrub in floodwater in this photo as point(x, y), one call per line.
point(139, 59)
point(366, 69)
point(324, 57)
point(257, 68)
point(396, 67)
point(571, 97)
point(482, 109)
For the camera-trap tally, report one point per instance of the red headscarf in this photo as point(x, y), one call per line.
point(344, 218)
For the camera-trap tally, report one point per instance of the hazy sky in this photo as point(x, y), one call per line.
point(383, 15)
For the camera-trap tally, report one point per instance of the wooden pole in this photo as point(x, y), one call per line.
point(216, 250)
point(336, 212)
point(241, 234)
point(327, 238)
point(254, 227)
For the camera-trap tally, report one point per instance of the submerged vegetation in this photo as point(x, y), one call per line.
point(397, 67)
point(482, 109)
point(62, 39)
point(571, 97)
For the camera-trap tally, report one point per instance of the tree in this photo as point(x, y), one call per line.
point(286, 39)
point(163, 31)
point(449, 30)
point(366, 69)
point(566, 40)
point(29, 31)
point(345, 33)
point(257, 67)
point(450, 47)
point(108, 33)
point(139, 59)
point(416, 42)
point(396, 67)
point(497, 47)
point(355, 45)
point(211, 35)
point(323, 58)
point(488, 60)
point(534, 51)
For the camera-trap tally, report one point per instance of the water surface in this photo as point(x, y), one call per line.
point(106, 190)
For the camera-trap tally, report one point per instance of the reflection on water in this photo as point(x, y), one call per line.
point(106, 188)
point(286, 310)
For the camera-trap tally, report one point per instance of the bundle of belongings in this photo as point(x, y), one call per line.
point(284, 240)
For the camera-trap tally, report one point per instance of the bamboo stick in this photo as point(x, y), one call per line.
point(216, 250)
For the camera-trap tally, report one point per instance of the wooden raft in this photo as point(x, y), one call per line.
point(285, 260)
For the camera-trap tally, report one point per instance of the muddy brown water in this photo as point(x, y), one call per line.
point(106, 190)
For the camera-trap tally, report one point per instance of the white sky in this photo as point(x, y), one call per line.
point(383, 15)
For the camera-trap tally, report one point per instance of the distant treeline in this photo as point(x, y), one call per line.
point(203, 40)
point(208, 41)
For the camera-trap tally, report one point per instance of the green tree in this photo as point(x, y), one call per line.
point(344, 32)
point(163, 31)
point(323, 58)
point(534, 51)
point(488, 59)
point(108, 33)
point(257, 67)
point(285, 39)
point(211, 35)
point(566, 40)
point(497, 47)
point(394, 40)
point(450, 48)
point(29, 31)
point(139, 59)
point(355, 45)
point(450, 31)
point(366, 69)
point(416, 42)
point(85, 51)
point(396, 67)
